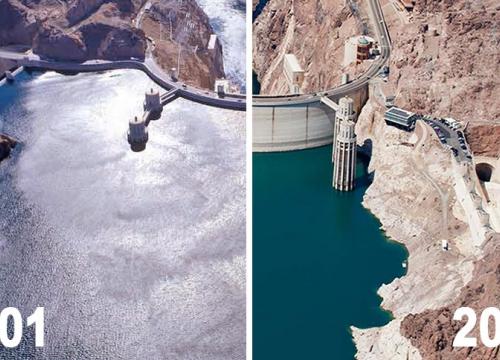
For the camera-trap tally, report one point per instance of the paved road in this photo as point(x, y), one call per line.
point(383, 36)
point(148, 66)
point(451, 139)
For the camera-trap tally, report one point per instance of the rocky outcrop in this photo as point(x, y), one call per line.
point(18, 25)
point(443, 60)
point(54, 43)
point(484, 139)
point(75, 30)
point(81, 9)
point(432, 332)
point(314, 31)
point(185, 33)
point(413, 196)
point(6, 145)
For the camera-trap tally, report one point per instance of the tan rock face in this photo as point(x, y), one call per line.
point(443, 62)
point(412, 194)
point(313, 30)
point(433, 331)
point(181, 32)
point(484, 139)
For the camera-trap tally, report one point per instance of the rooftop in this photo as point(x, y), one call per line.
point(399, 112)
point(363, 41)
point(293, 63)
point(212, 42)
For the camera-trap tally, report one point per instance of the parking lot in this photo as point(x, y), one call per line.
point(451, 135)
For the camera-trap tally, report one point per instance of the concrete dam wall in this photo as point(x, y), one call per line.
point(296, 126)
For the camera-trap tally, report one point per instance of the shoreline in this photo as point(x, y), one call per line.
point(376, 238)
point(407, 206)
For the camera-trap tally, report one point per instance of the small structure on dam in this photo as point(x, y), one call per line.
point(344, 166)
point(152, 104)
point(293, 72)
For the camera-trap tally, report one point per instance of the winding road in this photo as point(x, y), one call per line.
point(148, 66)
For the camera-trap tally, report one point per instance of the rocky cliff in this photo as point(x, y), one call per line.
point(74, 30)
point(78, 30)
point(412, 194)
point(484, 138)
point(313, 30)
point(181, 33)
point(432, 332)
point(444, 59)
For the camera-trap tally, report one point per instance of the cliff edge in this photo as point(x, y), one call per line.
point(73, 30)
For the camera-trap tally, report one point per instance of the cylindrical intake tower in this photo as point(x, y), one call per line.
point(345, 112)
point(137, 132)
point(344, 166)
point(152, 104)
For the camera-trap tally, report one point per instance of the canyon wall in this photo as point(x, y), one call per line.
point(181, 32)
point(73, 30)
point(313, 30)
point(413, 196)
point(445, 58)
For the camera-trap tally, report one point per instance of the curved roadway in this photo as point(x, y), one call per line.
point(382, 34)
point(148, 66)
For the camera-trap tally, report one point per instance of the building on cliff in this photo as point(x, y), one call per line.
point(400, 118)
point(293, 72)
point(363, 49)
point(359, 48)
point(407, 4)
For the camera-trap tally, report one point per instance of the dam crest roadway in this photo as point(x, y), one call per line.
point(294, 122)
point(148, 66)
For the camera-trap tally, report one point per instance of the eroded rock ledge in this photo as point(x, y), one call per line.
point(432, 332)
point(74, 30)
point(181, 32)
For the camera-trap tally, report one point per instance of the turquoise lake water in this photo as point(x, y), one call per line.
point(318, 259)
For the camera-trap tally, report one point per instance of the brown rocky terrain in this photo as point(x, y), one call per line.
point(6, 145)
point(74, 30)
point(286, 27)
point(78, 30)
point(484, 139)
point(444, 59)
point(181, 32)
point(432, 331)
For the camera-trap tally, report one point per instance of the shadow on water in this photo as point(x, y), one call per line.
point(256, 84)
point(365, 155)
point(318, 258)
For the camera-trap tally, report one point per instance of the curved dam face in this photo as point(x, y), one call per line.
point(278, 126)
